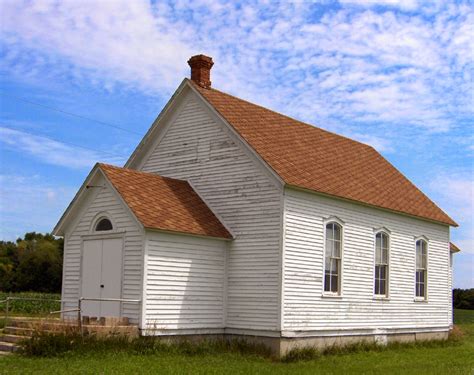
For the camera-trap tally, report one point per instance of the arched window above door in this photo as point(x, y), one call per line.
point(103, 224)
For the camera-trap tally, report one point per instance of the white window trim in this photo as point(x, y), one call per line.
point(382, 229)
point(425, 298)
point(98, 217)
point(387, 232)
point(339, 294)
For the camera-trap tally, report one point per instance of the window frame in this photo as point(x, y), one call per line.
point(388, 233)
point(338, 294)
point(100, 216)
point(425, 297)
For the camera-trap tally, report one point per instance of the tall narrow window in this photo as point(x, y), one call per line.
point(421, 268)
point(332, 273)
point(381, 264)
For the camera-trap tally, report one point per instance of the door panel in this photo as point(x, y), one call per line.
point(111, 275)
point(91, 271)
point(102, 276)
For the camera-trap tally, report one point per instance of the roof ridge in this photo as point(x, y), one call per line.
point(283, 115)
point(140, 172)
point(282, 141)
point(164, 203)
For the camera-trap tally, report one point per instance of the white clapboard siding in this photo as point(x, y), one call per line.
point(105, 200)
point(305, 309)
point(450, 288)
point(184, 283)
point(198, 149)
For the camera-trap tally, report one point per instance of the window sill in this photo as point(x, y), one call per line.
point(381, 298)
point(329, 295)
point(420, 299)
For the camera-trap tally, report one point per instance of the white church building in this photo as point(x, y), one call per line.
point(231, 219)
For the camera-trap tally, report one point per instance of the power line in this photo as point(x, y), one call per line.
point(63, 142)
point(71, 114)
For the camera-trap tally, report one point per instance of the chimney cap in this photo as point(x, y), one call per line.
point(201, 70)
point(202, 58)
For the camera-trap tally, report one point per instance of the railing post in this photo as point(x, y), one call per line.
point(6, 310)
point(79, 316)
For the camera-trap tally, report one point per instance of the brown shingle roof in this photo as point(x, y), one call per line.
point(453, 248)
point(164, 203)
point(312, 158)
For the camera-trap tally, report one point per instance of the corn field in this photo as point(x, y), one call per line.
point(42, 306)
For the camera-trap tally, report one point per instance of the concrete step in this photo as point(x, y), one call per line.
point(105, 321)
point(131, 331)
point(27, 323)
point(60, 326)
point(18, 331)
point(86, 321)
point(8, 347)
point(11, 338)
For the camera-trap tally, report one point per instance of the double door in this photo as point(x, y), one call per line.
point(102, 276)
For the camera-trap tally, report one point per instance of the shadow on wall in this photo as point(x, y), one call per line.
point(185, 283)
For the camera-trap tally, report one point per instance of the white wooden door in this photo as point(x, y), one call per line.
point(102, 276)
point(111, 281)
point(91, 276)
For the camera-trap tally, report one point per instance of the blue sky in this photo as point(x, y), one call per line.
point(393, 74)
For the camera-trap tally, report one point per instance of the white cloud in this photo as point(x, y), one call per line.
point(27, 203)
point(352, 66)
point(456, 191)
point(379, 143)
point(463, 270)
point(52, 152)
point(114, 40)
point(466, 246)
point(402, 4)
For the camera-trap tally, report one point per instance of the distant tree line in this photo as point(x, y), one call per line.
point(33, 263)
point(463, 299)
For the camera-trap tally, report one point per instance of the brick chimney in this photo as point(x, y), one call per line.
point(201, 70)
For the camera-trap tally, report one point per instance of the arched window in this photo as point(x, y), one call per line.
point(421, 268)
point(103, 225)
point(381, 264)
point(333, 256)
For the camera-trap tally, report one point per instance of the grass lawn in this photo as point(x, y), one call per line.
point(457, 358)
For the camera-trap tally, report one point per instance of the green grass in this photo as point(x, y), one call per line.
point(442, 358)
point(463, 316)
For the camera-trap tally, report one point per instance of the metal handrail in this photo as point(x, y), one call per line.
point(79, 305)
point(110, 299)
point(37, 299)
point(8, 299)
point(63, 311)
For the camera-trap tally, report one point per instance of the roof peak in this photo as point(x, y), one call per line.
point(318, 160)
point(164, 203)
point(332, 133)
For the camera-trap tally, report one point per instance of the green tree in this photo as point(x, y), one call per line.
point(33, 263)
point(8, 262)
point(463, 299)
